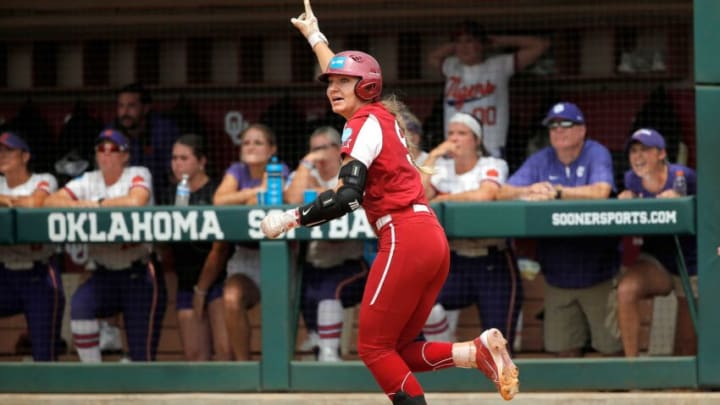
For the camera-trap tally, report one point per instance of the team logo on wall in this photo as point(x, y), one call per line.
point(234, 125)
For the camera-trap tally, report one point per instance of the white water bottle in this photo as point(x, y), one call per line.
point(680, 183)
point(182, 193)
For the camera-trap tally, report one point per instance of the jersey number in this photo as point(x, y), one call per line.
point(486, 115)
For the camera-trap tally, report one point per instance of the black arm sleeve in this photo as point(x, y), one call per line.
point(329, 204)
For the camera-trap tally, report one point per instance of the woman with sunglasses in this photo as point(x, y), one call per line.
point(124, 276)
point(29, 280)
point(413, 258)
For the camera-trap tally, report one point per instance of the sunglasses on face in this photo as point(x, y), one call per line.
point(107, 147)
point(561, 124)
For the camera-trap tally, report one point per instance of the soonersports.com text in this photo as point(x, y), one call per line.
point(614, 218)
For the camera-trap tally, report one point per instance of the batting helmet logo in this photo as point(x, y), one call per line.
point(361, 65)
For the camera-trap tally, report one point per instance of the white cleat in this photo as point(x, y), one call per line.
point(493, 359)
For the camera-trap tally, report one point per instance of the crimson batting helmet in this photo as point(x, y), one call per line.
point(357, 64)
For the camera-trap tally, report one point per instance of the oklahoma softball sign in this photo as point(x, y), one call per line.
point(169, 224)
point(161, 226)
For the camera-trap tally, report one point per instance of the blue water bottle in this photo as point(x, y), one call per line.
point(274, 192)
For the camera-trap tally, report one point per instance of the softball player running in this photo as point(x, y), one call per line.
point(413, 255)
point(29, 282)
point(125, 279)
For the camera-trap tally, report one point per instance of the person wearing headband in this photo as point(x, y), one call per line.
point(482, 271)
point(579, 272)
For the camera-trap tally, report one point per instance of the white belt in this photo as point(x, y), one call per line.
point(386, 219)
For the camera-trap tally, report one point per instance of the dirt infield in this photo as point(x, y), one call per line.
point(579, 398)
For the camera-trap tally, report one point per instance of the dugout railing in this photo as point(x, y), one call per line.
point(277, 371)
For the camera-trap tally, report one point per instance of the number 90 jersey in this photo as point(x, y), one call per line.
point(373, 137)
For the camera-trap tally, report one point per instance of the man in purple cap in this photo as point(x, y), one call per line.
point(125, 278)
point(655, 271)
point(29, 280)
point(579, 271)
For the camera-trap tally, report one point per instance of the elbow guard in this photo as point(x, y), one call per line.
point(330, 204)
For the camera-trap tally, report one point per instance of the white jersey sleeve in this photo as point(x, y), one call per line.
point(41, 181)
point(492, 169)
point(22, 257)
point(369, 141)
point(91, 186)
point(447, 181)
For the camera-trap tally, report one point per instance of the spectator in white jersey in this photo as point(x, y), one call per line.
point(30, 282)
point(124, 277)
point(476, 83)
point(333, 273)
point(483, 272)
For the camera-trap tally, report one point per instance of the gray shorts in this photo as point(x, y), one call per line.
point(575, 315)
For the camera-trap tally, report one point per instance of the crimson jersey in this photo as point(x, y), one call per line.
point(373, 137)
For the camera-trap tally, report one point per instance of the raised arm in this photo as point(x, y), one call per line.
point(307, 24)
point(529, 49)
point(439, 54)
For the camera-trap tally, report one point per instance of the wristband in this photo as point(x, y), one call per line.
point(315, 38)
point(558, 193)
point(100, 201)
point(198, 291)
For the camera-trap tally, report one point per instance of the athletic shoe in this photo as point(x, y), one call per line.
point(328, 355)
point(493, 359)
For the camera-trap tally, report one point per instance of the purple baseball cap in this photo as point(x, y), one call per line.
point(648, 137)
point(564, 111)
point(13, 141)
point(114, 136)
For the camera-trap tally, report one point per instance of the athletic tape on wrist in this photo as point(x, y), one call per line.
point(315, 38)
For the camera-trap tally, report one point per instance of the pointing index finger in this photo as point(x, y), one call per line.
point(308, 9)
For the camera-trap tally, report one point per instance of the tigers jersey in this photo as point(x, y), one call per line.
point(16, 257)
point(324, 254)
point(447, 181)
point(481, 90)
point(91, 186)
point(373, 137)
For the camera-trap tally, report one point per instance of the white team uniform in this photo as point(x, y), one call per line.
point(481, 90)
point(91, 186)
point(447, 181)
point(21, 257)
point(325, 254)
